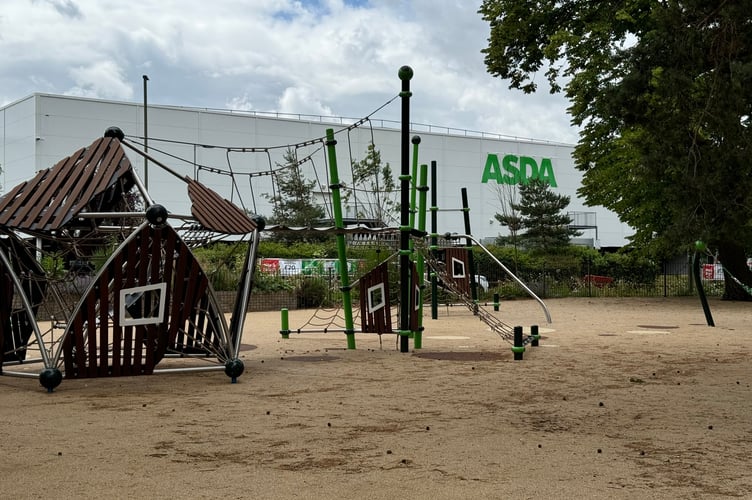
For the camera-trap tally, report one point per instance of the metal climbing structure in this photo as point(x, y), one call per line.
point(99, 280)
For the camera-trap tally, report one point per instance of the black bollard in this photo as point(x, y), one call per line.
point(518, 348)
point(534, 335)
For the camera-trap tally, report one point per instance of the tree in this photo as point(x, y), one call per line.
point(509, 217)
point(374, 193)
point(662, 93)
point(293, 201)
point(546, 228)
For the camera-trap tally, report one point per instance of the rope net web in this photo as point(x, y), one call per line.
point(252, 173)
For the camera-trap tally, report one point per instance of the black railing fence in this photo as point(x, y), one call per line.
point(666, 279)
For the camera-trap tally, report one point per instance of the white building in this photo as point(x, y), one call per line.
point(220, 146)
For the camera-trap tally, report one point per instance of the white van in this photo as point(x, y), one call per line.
point(482, 282)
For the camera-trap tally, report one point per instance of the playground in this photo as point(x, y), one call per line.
point(624, 398)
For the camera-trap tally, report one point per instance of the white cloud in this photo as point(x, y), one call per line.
point(300, 56)
point(104, 79)
point(302, 100)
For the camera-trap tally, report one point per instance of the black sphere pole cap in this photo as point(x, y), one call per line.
point(259, 221)
point(114, 132)
point(156, 215)
point(405, 73)
point(416, 139)
point(234, 368)
point(50, 378)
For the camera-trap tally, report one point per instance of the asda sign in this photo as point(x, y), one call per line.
point(513, 169)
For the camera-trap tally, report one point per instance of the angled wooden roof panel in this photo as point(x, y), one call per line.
point(8, 199)
point(216, 213)
point(56, 195)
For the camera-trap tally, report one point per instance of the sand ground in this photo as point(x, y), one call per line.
point(624, 398)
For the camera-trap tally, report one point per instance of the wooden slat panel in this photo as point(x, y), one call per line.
point(130, 334)
point(107, 168)
point(216, 213)
point(14, 198)
point(459, 254)
point(78, 328)
point(91, 336)
point(178, 297)
point(58, 194)
point(415, 279)
point(104, 325)
point(379, 321)
point(67, 184)
point(155, 255)
point(39, 196)
point(118, 343)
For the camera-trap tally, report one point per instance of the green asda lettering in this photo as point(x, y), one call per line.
point(517, 169)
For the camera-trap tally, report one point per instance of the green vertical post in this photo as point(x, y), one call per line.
point(341, 251)
point(405, 74)
point(285, 331)
point(414, 183)
point(434, 242)
point(422, 188)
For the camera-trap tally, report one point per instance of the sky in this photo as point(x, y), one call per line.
point(316, 57)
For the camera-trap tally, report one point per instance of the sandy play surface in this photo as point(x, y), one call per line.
point(624, 398)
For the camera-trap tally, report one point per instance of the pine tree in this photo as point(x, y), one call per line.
point(293, 200)
point(540, 211)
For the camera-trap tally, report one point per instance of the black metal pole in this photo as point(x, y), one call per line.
point(405, 74)
point(434, 242)
point(701, 289)
point(469, 246)
point(146, 138)
point(519, 346)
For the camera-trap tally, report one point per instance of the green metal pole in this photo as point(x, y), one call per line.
point(418, 342)
point(414, 182)
point(285, 331)
point(405, 74)
point(341, 251)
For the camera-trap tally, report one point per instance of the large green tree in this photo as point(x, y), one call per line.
point(662, 93)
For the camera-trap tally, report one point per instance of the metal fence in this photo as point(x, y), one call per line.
point(669, 279)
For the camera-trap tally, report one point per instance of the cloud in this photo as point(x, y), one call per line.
point(67, 8)
point(336, 57)
point(302, 100)
point(103, 79)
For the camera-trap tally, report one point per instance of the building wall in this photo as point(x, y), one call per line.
point(42, 129)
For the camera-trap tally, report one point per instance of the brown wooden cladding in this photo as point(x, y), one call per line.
point(379, 321)
point(216, 213)
point(454, 255)
point(56, 195)
point(98, 344)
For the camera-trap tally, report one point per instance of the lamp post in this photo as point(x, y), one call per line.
point(146, 138)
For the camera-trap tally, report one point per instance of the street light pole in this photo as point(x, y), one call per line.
point(146, 138)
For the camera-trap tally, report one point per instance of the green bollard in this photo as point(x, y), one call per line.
point(496, 302)
point(285, 331)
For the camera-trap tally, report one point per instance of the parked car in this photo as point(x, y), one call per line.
point(482, 282)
